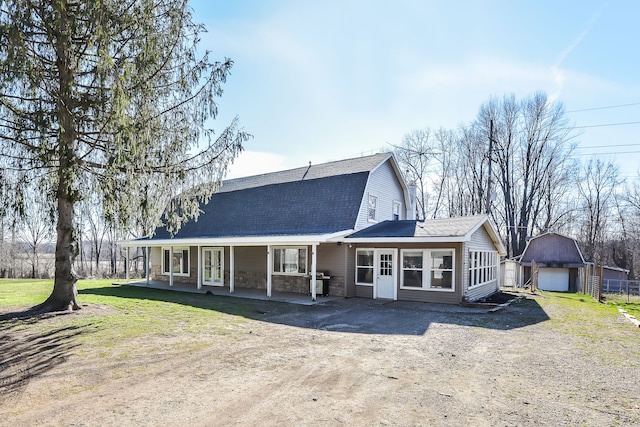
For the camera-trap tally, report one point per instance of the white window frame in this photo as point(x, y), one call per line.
point(396, 205)
point(183, 272)
point(375, 208)
point(372, 266)
point(427, 268)
point(483, 268)
point(291, 273)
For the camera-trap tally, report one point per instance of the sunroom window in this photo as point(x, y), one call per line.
point(428, 269)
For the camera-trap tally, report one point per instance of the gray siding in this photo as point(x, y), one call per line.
point(428, 295)
point(251, 259)
point(331, 260)
point(350, 271)
point(411, 294)
point(364, 291)
point(383, 183)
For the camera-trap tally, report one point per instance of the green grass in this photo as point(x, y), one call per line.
point(630, 304)
point(598, 328)
point(114, 315)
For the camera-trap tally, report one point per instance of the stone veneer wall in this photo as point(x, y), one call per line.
point(336, 286)
point(284, 283)
point(256, 280)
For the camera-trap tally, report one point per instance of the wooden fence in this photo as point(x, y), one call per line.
point(593, 281)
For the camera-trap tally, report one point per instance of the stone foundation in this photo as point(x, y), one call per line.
point(258, 280)
point(283, 283)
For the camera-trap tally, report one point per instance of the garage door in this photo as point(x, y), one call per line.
point(553, 279)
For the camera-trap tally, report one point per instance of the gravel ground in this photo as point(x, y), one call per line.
point(349, 362)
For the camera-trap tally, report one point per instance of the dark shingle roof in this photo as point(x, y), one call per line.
point(323, 170)
point(436, 227)
point(319, 199)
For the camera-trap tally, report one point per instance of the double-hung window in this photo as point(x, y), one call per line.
point(176, 261)
point(364, 266)
point(483, 267)
point(372, 211)
point(430, 269)
point(396, 211)
point(290, 260)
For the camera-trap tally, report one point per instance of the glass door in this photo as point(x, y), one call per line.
point(213, 266)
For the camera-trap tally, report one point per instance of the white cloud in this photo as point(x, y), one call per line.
point(256, 163)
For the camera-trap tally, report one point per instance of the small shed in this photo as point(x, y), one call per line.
point(614, 279)
point(560, 262)
point(510, 273)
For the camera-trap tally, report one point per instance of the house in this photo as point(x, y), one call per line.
point(344, 228)
point(559, 259)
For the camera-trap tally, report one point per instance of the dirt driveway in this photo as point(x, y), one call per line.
point(350, 362)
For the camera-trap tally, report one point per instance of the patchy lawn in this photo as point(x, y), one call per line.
point(135, 356)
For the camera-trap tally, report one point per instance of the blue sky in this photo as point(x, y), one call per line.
point(325, 80)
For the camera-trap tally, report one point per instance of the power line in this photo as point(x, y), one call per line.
point(610, 145)
point(604, 108)
point(606, 124)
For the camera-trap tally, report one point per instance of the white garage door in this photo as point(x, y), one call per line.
point(553, 279)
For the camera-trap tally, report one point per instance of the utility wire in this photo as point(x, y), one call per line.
point(606, 124)
point(603, 108)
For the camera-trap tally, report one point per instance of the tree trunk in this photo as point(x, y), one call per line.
point(64, 295)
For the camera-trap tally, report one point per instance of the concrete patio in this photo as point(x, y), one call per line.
point(258, 294)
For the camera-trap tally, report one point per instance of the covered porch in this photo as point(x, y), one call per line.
point(279, 265)
point(248, 293)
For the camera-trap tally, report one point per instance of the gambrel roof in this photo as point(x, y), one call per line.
point(553, 249)
point(311, 200)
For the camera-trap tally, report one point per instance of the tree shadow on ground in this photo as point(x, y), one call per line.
point(25, 355)
point(357, 315)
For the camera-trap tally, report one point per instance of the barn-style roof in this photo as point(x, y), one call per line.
point(553, 250)
point(315, 199)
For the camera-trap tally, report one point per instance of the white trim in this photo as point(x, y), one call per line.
point(313, 273)
point(269, 269)
point(427, 268)
point(373, 277)
point(200, 267)
point(397, 203)
point(171, 250)
point(394, 270)
point(401, 240)
point(297, 273)
point(126, 264)
point(481, 269)
point(289, 240)
point(146, 267)
point(376, 212)
point(232, 268)
point(213, 250)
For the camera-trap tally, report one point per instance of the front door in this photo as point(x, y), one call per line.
point(385, 278)
point(213, 266)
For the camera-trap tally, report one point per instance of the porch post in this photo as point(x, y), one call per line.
point(126, 264)
point(146, 267)
point(199, 267)
point(171, 266)
point(231, 268)
point(269, 270)
point(313, 272)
